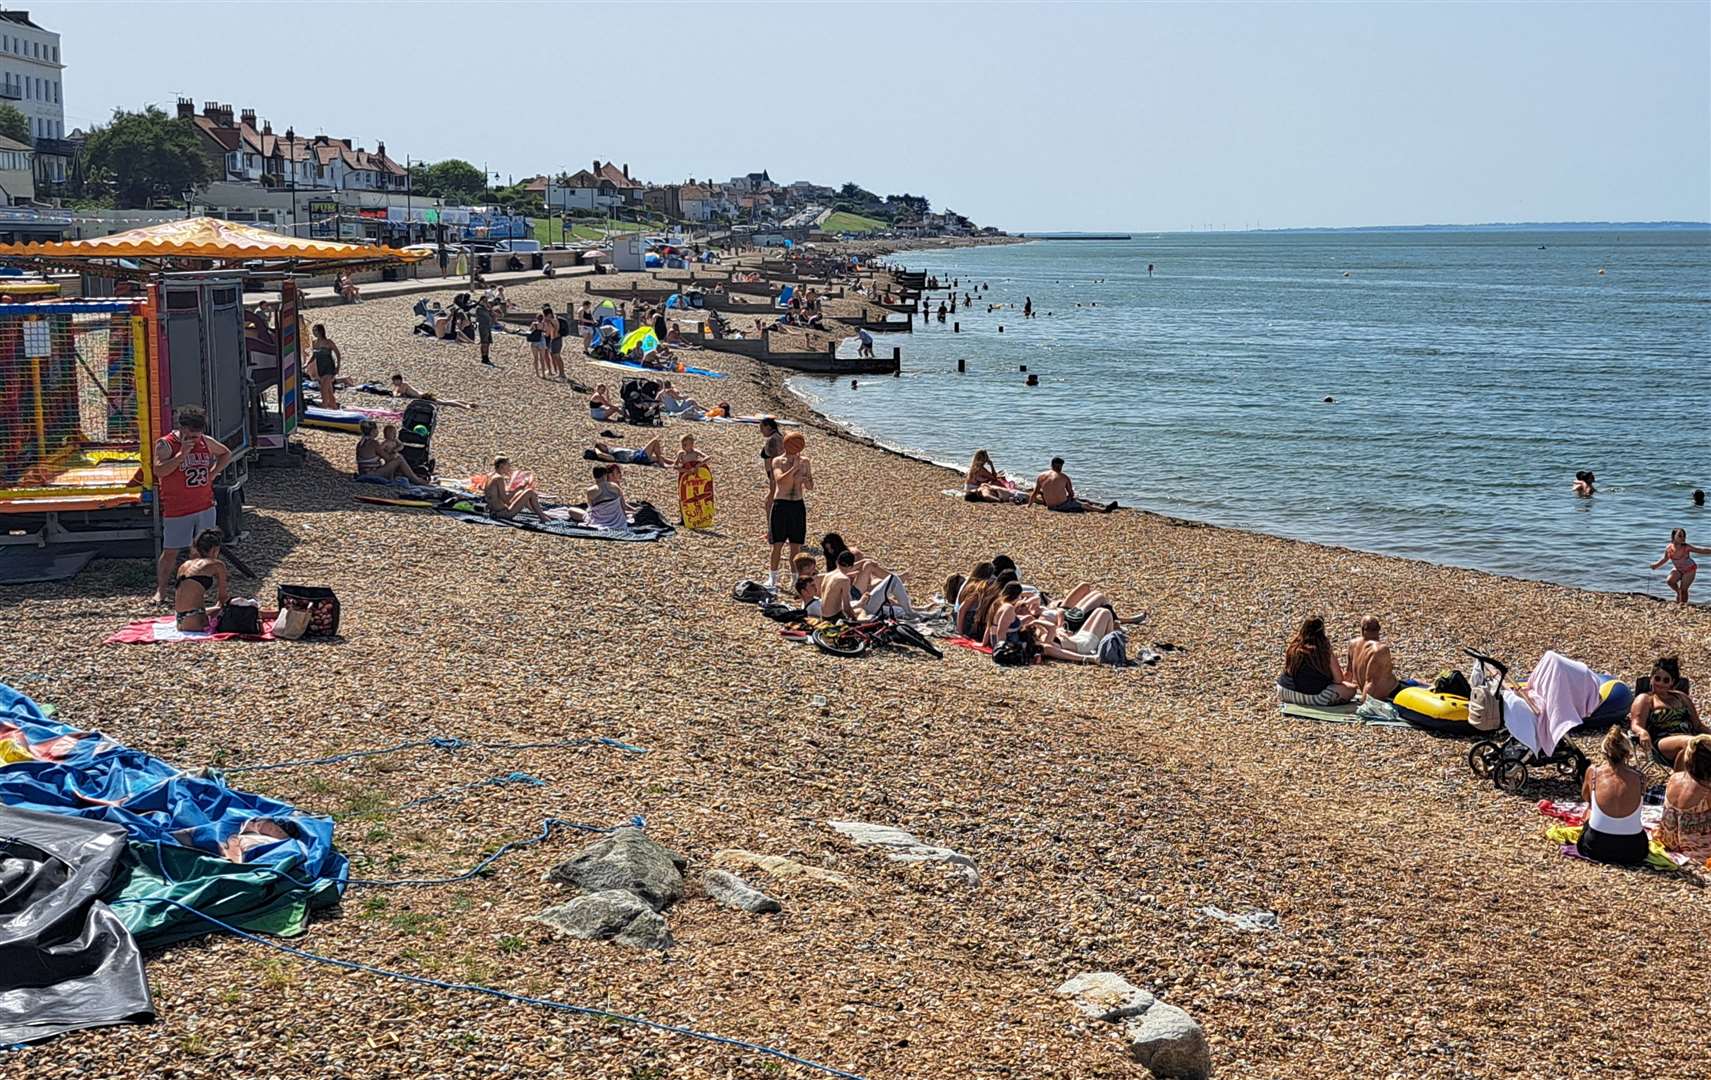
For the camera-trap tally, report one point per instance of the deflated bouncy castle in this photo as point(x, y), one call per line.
point(106, 851)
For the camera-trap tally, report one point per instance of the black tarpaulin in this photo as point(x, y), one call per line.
point(66, 961)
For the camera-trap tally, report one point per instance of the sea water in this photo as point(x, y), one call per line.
point(1473, 374)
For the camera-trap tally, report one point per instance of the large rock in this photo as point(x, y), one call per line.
point(732, 891)
point(629, 860)
point(610, 915)
point(776, 865)
point(1162, 1037)
point(1169, 1042)
point(1106, 995)
point(905, 847)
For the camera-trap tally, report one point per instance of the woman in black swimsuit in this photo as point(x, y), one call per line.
point(324, 359)
point(199, 576)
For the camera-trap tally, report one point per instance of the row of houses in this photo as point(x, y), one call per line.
point(253, 153)
point(608, 188)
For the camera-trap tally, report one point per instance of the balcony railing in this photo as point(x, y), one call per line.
point(12, 93)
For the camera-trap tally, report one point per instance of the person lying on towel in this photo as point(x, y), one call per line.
point(651, 454)
point(402, 389)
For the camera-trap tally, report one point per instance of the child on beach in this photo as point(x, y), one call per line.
point(1681, 553)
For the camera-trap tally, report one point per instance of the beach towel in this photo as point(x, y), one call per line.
point(754, 419)
point(1565, 693)
point(163, 630)
point(555, 527)
point(1570, 817)
point(623, 365)
point(968, 643)
point(1337, 714)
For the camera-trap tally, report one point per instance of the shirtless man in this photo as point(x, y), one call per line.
point(1369, 663)
point(835, 589)
point(504, 501)
point(1054, 490)
point(651, 454)
point(790, 478)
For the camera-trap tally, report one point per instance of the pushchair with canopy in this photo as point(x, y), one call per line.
point(1530, 721)
point(641, 402)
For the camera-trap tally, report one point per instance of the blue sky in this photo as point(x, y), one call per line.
point(1155, 116)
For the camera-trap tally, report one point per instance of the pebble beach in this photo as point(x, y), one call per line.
point(1425, 926)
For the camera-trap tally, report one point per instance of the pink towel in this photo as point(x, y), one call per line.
point(164, 630)
point(1564, 693)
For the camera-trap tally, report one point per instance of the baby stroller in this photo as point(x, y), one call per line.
point(1525, 744)
point(641, 404)
point(419, 416)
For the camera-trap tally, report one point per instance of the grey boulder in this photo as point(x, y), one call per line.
point(1162, 1037)
point(732, 891)
point(628, 860)
point(611, 915)
point(1170, 1043)
point(904, 847)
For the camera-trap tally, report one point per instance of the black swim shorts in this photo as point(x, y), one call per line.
point(789, 522)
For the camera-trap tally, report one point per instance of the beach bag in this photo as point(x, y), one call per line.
point(1451, 682)
point(1010, 654)
point(1484, 703)
point(1114, 649)
point(320, 604)
point(778, 612)
point(291, 623)
point(240, 617)
point(1378, 711)
point(647, 517)
point(751, 592)
point(1073, 618)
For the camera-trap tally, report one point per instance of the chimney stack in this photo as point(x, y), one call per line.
point(248, 116)
point(226, 116)
point(186, 108)
point(211, 109)
point(596, 169)
point(380, 149)
point(626, 170)
point(267, 127)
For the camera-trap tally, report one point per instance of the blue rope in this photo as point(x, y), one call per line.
point(492, 781)
point(503, 995)
point(437, 742)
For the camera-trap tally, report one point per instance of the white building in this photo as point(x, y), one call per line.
point(30, 70)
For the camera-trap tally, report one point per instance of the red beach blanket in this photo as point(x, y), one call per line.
point(164, 631)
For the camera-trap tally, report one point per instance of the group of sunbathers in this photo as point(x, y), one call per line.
point(852, 586)
point(995, 608)
point(1052, 489)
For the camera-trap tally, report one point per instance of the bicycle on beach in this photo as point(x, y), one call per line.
point(849, 639)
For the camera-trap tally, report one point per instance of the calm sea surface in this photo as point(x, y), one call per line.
point(1473, 373)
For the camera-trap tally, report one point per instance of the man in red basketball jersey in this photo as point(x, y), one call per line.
point(185, 464)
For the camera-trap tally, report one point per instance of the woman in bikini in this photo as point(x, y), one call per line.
point(1686, 825)
point(540, 333)
point(1681, 553)
point(600, 405)
point(324, 361)
point(372, 458)
point(1664, 719)
point(200, 577)
point(984, 483)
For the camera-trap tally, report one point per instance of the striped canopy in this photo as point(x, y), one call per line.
point(207, 238)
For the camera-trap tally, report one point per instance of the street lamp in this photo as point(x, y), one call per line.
point(291, 164)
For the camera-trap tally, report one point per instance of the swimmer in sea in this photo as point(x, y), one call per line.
point(1680, 553)
point(1583, 484)
point(1698, 497)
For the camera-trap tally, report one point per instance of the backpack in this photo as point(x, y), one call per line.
point(563, 327)
point(240, 617)
point(1451, 682)
point(778, 612)
point(1114, 649)
point(1010, 654)
point(751, 592)
point(646, 517)
point(1484, 705)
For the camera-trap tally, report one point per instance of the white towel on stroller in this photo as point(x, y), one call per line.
point(1560, 694)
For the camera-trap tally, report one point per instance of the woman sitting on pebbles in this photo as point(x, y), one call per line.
point(372, 458)
point(984, 483)
point(1311, 674)
point(808, 582)
point(1686, 825)
point(200, 577)
point(600, 406)
point(1664, 719)
point(1613, 790)
point(974, 601)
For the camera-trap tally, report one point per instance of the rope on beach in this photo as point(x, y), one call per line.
point(503, 995)
point(438, 742)
point(492, 781)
